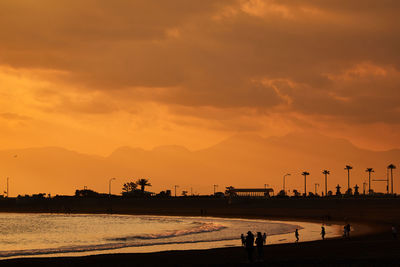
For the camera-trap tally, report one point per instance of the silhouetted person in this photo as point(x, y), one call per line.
point(296, 234)
point(243, 239)
point(348, 230)
point(265, 238)
point(323, 232)
point(250, 245)
point(394, 232)
point(260, 244)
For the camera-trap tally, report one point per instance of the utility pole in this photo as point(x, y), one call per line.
point(175, 189)
point(7, 187)
point(326, 172)
point(215, 186)
point(109, 186)
point(284, 182)
point(316, 188)
point(364, 185)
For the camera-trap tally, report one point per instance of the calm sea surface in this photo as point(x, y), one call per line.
point(85, 234)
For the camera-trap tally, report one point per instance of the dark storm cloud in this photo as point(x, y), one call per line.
point(221, 54)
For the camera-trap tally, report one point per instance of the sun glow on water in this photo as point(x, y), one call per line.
point(83, 234)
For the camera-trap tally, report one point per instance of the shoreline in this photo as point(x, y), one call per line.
point(309, 231)
point(371, 243)
point(361, 250)
point(360, 232)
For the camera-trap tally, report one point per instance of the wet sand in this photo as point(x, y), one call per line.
point(365, 250)
point(371, 243)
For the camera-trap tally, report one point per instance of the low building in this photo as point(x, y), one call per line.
point(250, 192)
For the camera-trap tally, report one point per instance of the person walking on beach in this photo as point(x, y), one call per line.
point(265, 238)
point(394, 232)
point(260, 244)
point(323, 232)
point(347, 230)
point(243, 240)
point(296, 234)
point(249, 245)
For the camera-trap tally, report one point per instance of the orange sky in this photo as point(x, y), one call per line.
point(92, 76)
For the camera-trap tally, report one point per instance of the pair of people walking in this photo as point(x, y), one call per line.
point(248, 243)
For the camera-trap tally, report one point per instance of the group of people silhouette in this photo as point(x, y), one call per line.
point(248, 242)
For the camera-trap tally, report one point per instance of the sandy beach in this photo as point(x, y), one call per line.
point(378, 249)
point(371, 242)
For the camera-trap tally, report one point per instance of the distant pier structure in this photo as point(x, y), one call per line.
point(250, 192)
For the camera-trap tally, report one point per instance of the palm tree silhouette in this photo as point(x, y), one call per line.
point(326, 173)
point(391, 167)
point(305, 182)
point(143, 183)
point(348, 168)
point(369, 170)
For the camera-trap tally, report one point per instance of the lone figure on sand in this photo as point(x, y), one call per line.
point(323, 232)
point(296, 234)
point(347, 230)
point(243, 240)
point(260, 244)
point(249, 246)
point(394, 232)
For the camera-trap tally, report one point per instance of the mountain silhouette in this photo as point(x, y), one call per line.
point(240, 161)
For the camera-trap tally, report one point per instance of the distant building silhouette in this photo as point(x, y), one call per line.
point(338, 193)
point(356, 193)
point(248, 192)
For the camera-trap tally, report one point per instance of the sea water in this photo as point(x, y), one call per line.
point(87, 234)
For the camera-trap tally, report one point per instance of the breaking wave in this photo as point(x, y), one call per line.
point(202, 228)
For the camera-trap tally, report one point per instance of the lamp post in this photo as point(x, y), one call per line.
point(305, 173)
point(364, 185)
point(215, 186)
point(284, 182)
point(316, 188)
point(7, 186)
point(175, 186)
point(326, 172)
point(109, 186)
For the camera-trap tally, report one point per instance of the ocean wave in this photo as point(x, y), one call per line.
point(89, 248)
point(200, 228)
point(124, 242)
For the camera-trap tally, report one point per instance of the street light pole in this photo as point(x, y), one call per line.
point(316, 187)
point(7, 186)
point(109, 186)
point(175, 189)
point(284, 182)
point(364, 185)
point(215, 186)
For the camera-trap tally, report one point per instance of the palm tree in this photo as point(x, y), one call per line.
point(305, 182)
point(129, 187)
point(391, 167)
point(143, 183)
point(348, 168)
point(326, 173)
point(369, 170)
